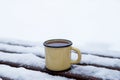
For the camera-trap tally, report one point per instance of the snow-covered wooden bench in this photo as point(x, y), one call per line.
point(23, 60)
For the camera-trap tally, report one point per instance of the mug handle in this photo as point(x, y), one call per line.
point(79, 55)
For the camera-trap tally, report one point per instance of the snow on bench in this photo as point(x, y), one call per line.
point(94, 65)
point(37, 63)
point(105, 74)
point(20, 49)
point(101, 61)
point(21, 73)
point(18, 42)
point(38, 49)
point(103, 50)
point(22, 59)
point(86, 59)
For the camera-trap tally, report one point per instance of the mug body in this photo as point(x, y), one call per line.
point(57, 54)
point(58, 59)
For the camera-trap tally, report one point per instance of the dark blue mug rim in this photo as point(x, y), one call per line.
point(69, 43)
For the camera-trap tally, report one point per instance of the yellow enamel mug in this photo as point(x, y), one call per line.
point(58, 54)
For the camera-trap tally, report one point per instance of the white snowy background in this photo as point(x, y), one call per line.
point(91, 22)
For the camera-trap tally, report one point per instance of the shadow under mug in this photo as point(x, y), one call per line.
point(58, 54)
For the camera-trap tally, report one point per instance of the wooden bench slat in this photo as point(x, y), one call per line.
point(110, 63)
point(36, 63)
point(4, 78)
point(18, 42)
point(94, 66)
point(19, 49)
point(37, 49)
point(105, 54)
point(25, 74)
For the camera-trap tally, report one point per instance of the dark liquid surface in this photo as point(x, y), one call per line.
point(57, 44)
